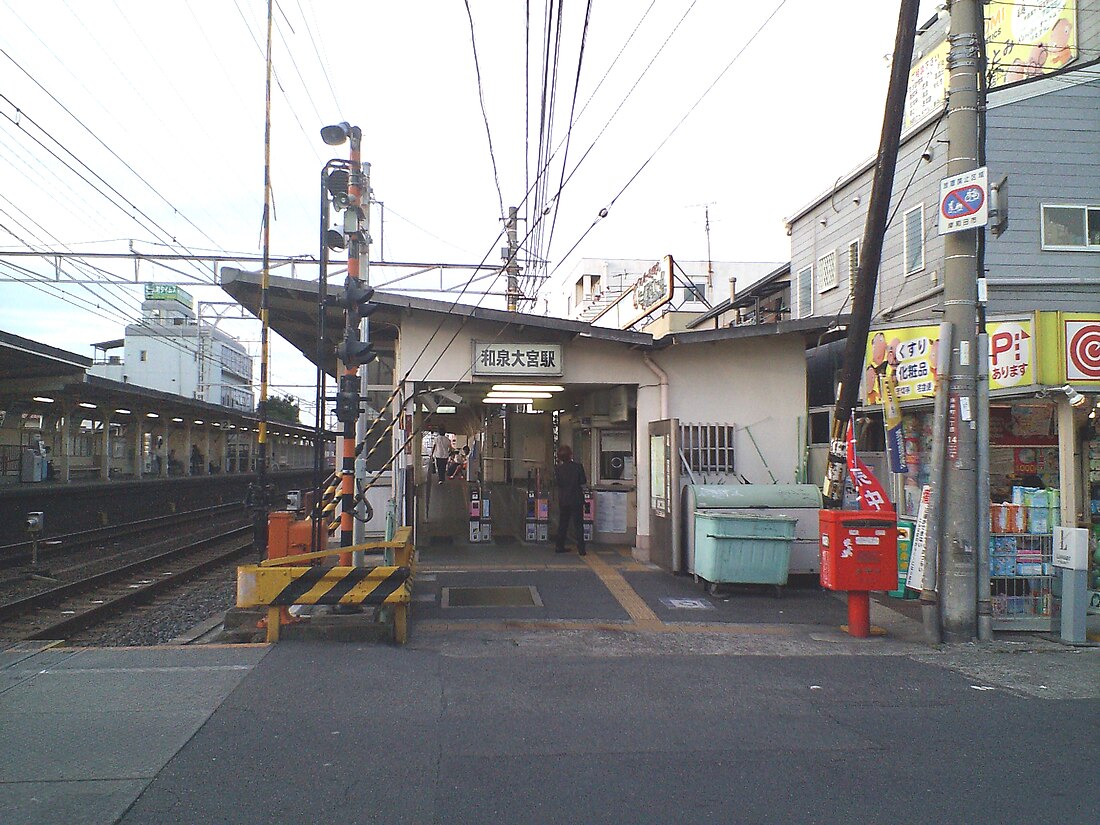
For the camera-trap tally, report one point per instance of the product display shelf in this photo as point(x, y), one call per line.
point(1022, 577)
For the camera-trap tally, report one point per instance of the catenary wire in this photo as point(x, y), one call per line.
point(484, 114)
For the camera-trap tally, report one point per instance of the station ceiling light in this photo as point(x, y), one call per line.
point(502, 394)
point(527, 388)
point(178, 420)
point(151, 415)
point(123, 412)
point(508, 400)
point(42, 399)
point(87, 405)
point(199, 423)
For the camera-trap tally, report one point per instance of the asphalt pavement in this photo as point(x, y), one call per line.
point(615, 693)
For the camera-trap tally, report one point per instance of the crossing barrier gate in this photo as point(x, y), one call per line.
point(290, 580)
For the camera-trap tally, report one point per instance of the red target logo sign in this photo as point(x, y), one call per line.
point(1083, 350)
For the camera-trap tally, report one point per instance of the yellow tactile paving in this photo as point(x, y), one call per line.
point(624, 594)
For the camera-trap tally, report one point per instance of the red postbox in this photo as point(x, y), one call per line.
point(859, 553)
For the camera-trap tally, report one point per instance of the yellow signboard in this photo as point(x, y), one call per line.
point(912, 353)
point(1028, 38)
point(1024, 38)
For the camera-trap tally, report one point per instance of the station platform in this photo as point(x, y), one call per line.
point(608, 696)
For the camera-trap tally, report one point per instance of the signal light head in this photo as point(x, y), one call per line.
point(334, 239)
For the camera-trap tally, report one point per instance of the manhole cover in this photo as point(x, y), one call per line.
point(686, 604)
point(491, 597)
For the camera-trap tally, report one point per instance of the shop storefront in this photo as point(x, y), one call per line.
point(1044, 452)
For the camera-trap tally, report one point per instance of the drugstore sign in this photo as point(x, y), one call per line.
point(912, 354)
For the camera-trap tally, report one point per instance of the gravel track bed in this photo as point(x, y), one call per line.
point(170, 616)
point(107, 557)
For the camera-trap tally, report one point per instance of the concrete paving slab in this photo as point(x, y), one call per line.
point(72, 803)
point(85, 730)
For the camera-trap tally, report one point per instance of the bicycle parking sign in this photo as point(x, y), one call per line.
point(964, 203)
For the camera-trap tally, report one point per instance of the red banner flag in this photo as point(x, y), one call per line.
point(872, 496)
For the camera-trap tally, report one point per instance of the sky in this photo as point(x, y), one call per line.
point(129, 125)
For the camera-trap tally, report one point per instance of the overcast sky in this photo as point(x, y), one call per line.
point(128, 122)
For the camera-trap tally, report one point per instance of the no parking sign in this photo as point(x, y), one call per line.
point(964, 201)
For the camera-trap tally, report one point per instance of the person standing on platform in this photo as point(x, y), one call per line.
point(570, 479)
point(441, 451)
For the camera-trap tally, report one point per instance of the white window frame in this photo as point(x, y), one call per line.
point(905, 240)
point(853, 271)
point(808, 274)
point(1084, 207)
point(823, 269)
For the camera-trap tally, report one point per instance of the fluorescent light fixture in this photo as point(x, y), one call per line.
point(123, 412)
point(86, 405)
point(151, 415)
point(507, 400)
point(502, 394)
point(446, 409)
point(527, 387)
point(43, 399)
point(178, 420)
point(199, 423)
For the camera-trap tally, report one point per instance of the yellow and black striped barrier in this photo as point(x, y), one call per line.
point(282, 582)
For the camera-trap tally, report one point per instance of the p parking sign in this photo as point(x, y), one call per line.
point(964, 201)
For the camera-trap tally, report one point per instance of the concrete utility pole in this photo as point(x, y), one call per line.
point(510, 263)
point(958, 548)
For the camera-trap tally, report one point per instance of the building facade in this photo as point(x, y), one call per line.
point(1042, 271)
point(171, 351)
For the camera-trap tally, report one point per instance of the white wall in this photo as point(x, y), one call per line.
point(758, 383)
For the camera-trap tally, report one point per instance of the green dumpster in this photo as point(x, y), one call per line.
point(743, 548)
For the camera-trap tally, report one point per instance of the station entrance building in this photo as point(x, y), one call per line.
point(643, 414)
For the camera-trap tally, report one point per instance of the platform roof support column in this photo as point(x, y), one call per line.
point(65, 448)
point(208, 459)
point(139, 463)
point(187, 462)
point(105, 446)
point(225, 451)
point(162, 453)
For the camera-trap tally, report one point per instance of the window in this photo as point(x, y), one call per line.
point(914, 240)
point(853, 266)
point(707, 448)
point(1071, 227)
point(805, 287)
point(826, 272)
point(616, 455)
point(695, 292)
point(144, 355)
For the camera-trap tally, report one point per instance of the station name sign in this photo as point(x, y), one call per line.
point(495, 358)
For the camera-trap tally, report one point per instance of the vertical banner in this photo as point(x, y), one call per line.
point(891, 416)
point(914, 579)
point(872, 496)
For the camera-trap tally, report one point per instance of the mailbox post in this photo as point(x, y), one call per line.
point(859, 553)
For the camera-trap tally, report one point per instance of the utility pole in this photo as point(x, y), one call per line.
point(878, 209)
point(958, 546)
point(510, 263)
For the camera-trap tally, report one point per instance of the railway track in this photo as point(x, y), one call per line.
point(20, 553)
point(62, 611)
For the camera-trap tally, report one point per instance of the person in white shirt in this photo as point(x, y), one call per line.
point(441, 451)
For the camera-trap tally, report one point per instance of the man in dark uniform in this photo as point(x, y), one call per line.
point(570, 479)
